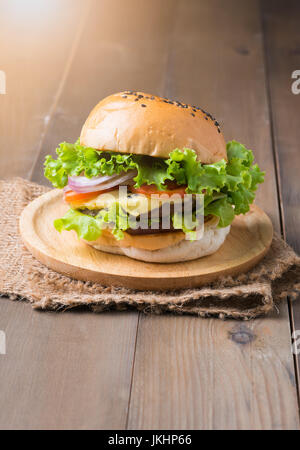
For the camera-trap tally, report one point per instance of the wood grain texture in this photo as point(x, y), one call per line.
point(123, 45)
point(249, 239)
point(281, 27)
point(58, 369)
point(188, 373)
point(68, 370)
point(74, 370)
point(34, 59)
point(204, 374)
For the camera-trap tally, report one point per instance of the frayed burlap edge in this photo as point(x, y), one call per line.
point(246, 296)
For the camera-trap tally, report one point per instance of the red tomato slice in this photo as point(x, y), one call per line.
point(73, 197)
point(150, 189)
point(76, 197)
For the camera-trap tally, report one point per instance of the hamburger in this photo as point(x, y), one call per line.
point(135, 152)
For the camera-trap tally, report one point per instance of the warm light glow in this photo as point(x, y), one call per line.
point(33, 9)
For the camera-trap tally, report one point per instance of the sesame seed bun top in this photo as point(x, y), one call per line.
point(139, 123)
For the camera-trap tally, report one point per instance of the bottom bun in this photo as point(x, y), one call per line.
point(185, 250)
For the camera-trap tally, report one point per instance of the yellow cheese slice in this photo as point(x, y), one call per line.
point(134, 204)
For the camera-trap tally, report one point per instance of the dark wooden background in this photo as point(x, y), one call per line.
point(128, 370)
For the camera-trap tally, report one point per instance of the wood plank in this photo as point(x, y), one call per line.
point(35, 45)
point(129, 41)
point(282, 24)
point(209, 374)
point(205, 374)
point(67, 370)
point(75, 368)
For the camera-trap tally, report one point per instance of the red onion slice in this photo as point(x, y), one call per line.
point(82, 184)
point(67, 189)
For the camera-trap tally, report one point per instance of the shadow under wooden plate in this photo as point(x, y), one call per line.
point(248, 241)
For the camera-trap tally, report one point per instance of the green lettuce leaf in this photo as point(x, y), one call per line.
point(74, 160)
point(223, 209)
point(86, 227)
point(90, 228)
point(152, 171)
point(229, 186)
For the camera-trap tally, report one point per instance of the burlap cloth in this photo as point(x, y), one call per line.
point(243, 297)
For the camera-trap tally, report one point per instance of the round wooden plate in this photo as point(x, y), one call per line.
point(248, 241)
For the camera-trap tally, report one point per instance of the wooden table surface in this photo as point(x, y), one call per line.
point(124, 369)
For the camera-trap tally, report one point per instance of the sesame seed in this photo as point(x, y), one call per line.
point(193, 109)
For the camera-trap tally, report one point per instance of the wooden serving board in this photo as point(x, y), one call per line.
point(248, 241)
